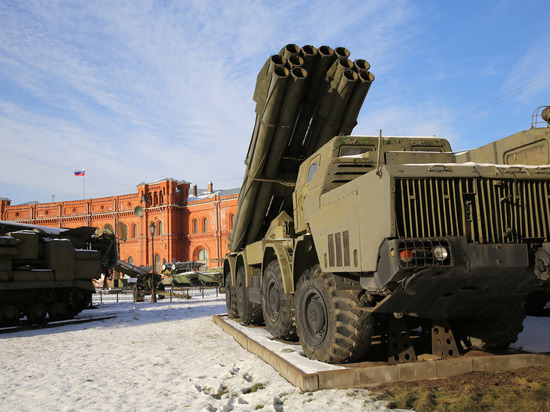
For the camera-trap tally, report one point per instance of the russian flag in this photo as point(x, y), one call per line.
point(79, 172)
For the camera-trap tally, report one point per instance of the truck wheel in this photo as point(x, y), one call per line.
point(276, 306)
point(330, 326)
point(230, 299)
point(249, 313)
point(497, 331)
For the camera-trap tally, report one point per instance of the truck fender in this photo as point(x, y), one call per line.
point(304, 257)
point(230, 266)
point(283, 257)
point(242, 260)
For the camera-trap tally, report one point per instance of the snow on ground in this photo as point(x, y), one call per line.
point(164, 356)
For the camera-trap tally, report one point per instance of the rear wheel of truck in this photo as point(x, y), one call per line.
point(497, 331)
point(249, 313)
point(276, 305)
point(230, 298)
point(329, 322)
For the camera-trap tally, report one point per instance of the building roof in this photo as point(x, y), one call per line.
point(204, 194)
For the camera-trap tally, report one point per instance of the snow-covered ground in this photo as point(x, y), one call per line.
point(166, 357)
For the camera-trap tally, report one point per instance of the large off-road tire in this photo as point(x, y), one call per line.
point(230, 298)
point(497, 331)
point(276, 305)
point(249, 313)
point(329, 322)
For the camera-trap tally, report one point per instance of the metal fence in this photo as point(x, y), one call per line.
point(169, 295)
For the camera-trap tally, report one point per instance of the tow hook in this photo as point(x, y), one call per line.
point(542, 264)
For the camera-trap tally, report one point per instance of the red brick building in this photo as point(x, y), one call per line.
point(189, 226)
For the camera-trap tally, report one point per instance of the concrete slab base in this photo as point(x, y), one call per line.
point(310, 375)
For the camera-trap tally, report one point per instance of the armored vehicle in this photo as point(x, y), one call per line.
point(338, 238)
point(48, 272)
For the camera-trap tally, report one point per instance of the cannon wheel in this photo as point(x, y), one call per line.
point(276, 306)
point(330, 326)
point(250, 313)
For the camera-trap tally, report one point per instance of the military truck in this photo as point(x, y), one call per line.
point(46, 273)
point(527, 147)
point(338, 238)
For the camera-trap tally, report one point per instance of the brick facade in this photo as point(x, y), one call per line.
point(188, 227)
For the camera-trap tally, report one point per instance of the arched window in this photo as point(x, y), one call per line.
point(159, 228)
point(231, 219)
point(134, 230)
point(195, 226)
point(122, 231)
point(108, 227)
point(161, 198)
point(156, 199)
point(131, 260)
point(203, 255)
point(205, 225)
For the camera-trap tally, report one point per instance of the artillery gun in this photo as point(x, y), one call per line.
point(48, 271)
point(144, 278)
point(337, 236)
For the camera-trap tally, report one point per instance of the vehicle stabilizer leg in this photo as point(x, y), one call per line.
point(400, 348)
point(443, 341)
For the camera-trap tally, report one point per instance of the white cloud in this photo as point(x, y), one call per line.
point(139, 91)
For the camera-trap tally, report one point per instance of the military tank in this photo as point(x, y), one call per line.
point(46, 273)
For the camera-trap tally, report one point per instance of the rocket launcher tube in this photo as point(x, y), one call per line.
point(361, 65)
point(335, 71)
point(316, 74)
point(289, 50)
point(341, 52)
point(269, 118)
point(331, 110)
point(287, 118)
point(354, 105)
point(295, 61)
point(258, 152)
point(308, 51)
point(263, 80)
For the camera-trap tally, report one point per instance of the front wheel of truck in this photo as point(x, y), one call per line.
point(331, 325)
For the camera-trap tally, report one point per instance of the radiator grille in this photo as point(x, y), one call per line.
point(484, 210)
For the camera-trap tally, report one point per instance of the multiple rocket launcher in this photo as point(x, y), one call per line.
point(304, 97)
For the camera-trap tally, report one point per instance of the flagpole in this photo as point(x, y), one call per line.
point(83, 186)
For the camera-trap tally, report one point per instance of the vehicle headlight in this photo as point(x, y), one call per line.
point(440, 253)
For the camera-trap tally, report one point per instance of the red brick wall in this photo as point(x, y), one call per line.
point(167, 206)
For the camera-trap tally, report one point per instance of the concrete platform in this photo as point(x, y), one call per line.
point(310, 375)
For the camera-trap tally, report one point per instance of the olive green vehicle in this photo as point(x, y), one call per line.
point(46, 273)
point(528, 147)
point(372, 235)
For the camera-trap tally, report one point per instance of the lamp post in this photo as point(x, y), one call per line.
point(152, 228)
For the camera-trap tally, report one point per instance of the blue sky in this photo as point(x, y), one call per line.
point(137, 91)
